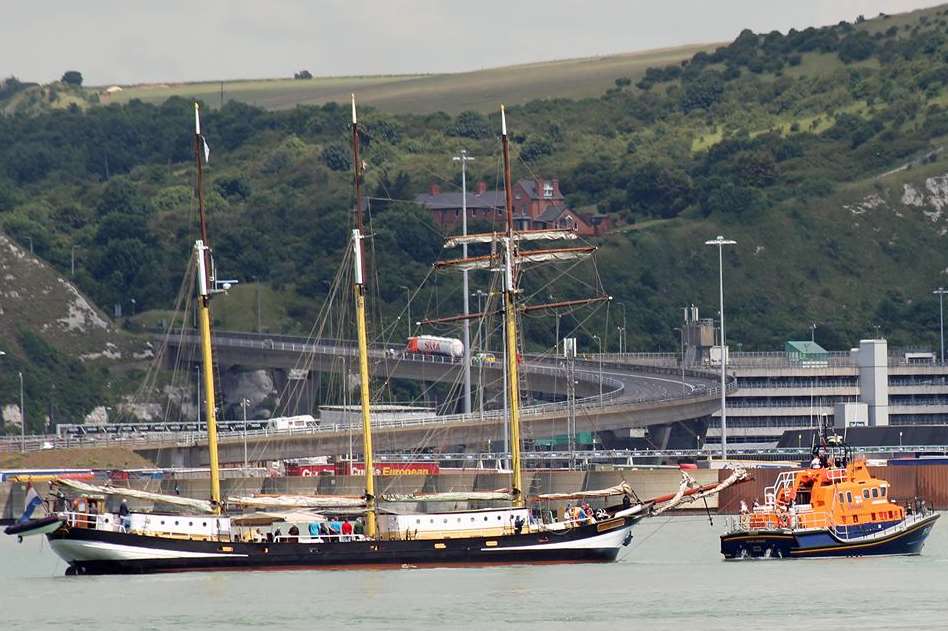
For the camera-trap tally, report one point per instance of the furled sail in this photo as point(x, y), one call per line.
point(82, 487)
point(461, 496)
point(550, 234)
point(688, 491)
point(297, 501)
point(489, 261)
point(622, 488)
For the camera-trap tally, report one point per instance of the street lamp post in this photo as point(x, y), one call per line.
point(480, 348)
point(721, 242)
point(623, 347)
point(243, 404)
point(463, 158)
point(22, 416)
point(813, 332)
point(681, 337)
point(408, 294)
point(556, 347)
point(940, 292)
point(599, 344)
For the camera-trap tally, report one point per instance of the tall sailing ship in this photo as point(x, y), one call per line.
point(290, 531)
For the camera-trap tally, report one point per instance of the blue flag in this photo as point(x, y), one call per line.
point(32, 501)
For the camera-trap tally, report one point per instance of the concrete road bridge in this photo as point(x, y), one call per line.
point(611, 398)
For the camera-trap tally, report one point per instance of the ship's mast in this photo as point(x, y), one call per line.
point(510, 323)
point(205, 280)
point(358, 287)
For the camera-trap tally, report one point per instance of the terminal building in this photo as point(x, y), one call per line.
point(806, 386)
point(867, 386)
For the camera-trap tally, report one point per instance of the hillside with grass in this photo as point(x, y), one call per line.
point(478, 90)
point(820, 151)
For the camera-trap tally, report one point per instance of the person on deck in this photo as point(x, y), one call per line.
point(123, 514)
point(359, 527)
point(346, 530)
point(335, 526)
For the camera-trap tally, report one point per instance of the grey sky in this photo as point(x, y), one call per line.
point(130, 41)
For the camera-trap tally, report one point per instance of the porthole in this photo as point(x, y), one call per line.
point(485, 517)
point(417, 521)
point(472, 519)
point(204, 524)
point(190, 523)
point(176, 522)
point(162, 522)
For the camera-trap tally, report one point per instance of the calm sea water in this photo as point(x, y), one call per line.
point(671, 577)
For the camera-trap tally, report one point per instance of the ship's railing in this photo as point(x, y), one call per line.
point(910, 520)
point(784, 481)
point(92, 521)
point(308, 538)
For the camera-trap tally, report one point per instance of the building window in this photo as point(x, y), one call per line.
point(547, 190)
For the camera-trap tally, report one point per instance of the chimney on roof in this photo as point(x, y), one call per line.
point(538, 187)
point(481, 187)
point(556, 187)
point(435, 189)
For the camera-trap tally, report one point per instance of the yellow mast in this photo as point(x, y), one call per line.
point(510, 322)
point(207, 360)
point(202, 251)
point(358, 287)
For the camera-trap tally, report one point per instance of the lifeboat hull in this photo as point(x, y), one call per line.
point(796, 544)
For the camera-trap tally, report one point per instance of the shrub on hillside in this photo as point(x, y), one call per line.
point(72, 77)
point(469, 125)
point(336, 158)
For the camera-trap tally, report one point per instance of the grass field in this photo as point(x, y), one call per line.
point(478, 90)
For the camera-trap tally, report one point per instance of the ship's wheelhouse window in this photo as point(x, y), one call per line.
point(882, 491)
point(875, 492)
point(849, 497)
point(842, 498)
point(865, 493)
